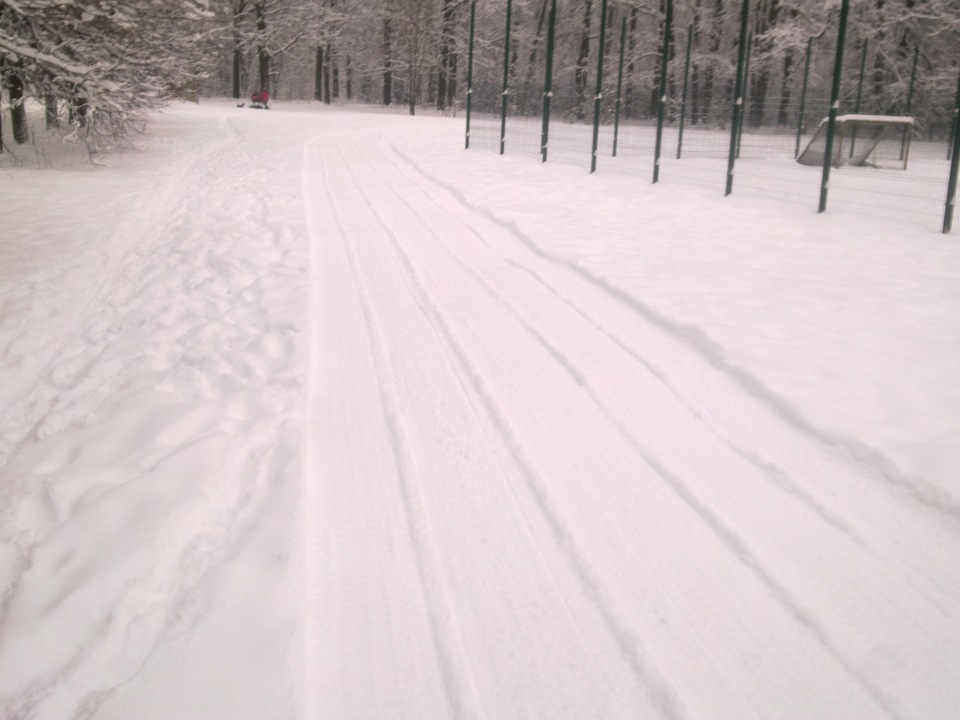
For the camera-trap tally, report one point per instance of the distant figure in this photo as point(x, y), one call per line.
point(260, 99)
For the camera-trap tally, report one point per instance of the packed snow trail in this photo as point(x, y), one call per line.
point(528, 499)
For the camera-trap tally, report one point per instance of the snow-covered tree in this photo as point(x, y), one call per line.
point(105, 61)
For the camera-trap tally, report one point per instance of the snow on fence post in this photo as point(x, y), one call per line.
point(616, 111)
point(683, 98)
point(506, 80)
point(954, 167)
point(737, 94)
point(834, 105)
point(548, 82)
point(473, 12)
point(803, 97)
point(661, 105)
point(598, 93)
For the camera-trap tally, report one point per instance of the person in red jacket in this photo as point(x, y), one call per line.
point(261, 98)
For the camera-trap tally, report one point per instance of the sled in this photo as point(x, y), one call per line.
point(260, 100)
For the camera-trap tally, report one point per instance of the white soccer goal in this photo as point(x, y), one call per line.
point(859, 140)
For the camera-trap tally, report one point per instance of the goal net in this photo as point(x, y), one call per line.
point(859, 140)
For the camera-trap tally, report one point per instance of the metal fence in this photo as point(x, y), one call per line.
point(738, 133)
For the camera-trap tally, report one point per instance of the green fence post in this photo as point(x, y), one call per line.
point(661, 105)
point(473, 10)
point(548, 82)
point(803, 97)
point(954, 167)
point(616, 112)
point(683, 100)
point(737, 94)
point(834, 104)
point(506, 80)
point(598, 95)
point(856, 108)
point(913, 79)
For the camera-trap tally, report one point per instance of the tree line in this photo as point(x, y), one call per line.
point(98, 66)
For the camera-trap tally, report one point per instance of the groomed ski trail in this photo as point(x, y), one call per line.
point(526, 497)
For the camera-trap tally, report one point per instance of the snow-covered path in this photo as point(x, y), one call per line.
point(566, 507)
point(153, 365)
point(316, 425)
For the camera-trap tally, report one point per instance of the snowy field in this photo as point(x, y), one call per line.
point(312, 414)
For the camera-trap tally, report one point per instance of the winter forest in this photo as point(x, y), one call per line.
point(97, 65)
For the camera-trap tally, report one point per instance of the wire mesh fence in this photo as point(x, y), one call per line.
point(892, 147)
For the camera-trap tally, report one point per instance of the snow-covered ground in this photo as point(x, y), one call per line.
point(312, 414)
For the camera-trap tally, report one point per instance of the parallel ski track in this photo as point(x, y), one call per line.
point(933, 575)
point(458, 676)
point(663, 695)
point(768, 470)
point(875, 463)
point(455, 671)
point(915, 577)
point(725, 532)
point(847, 456)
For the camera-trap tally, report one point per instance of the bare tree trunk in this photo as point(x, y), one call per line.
point(78, 111)
point(761, 86)
point(413, 81)
point(238, 10)
point(263, 57)
point(349, 73)
point(387, 62)
point(783, 115)
point(694, 70)
point(452, 81)
point(631, 66)
point(50, 112)
point(326, 78)
point(18, 114)
point(447, 73)
point(318, 77)
point(709, 79)
point(528, 81)
point(236, 70)
point(580, 75)
point(655, 84)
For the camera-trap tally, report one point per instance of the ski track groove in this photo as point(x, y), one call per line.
point(372, 170)
point(776, 475)
point(924, 493)
point(456, 674)
point(633, 648)
point(727, 535)
point(771, 471)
